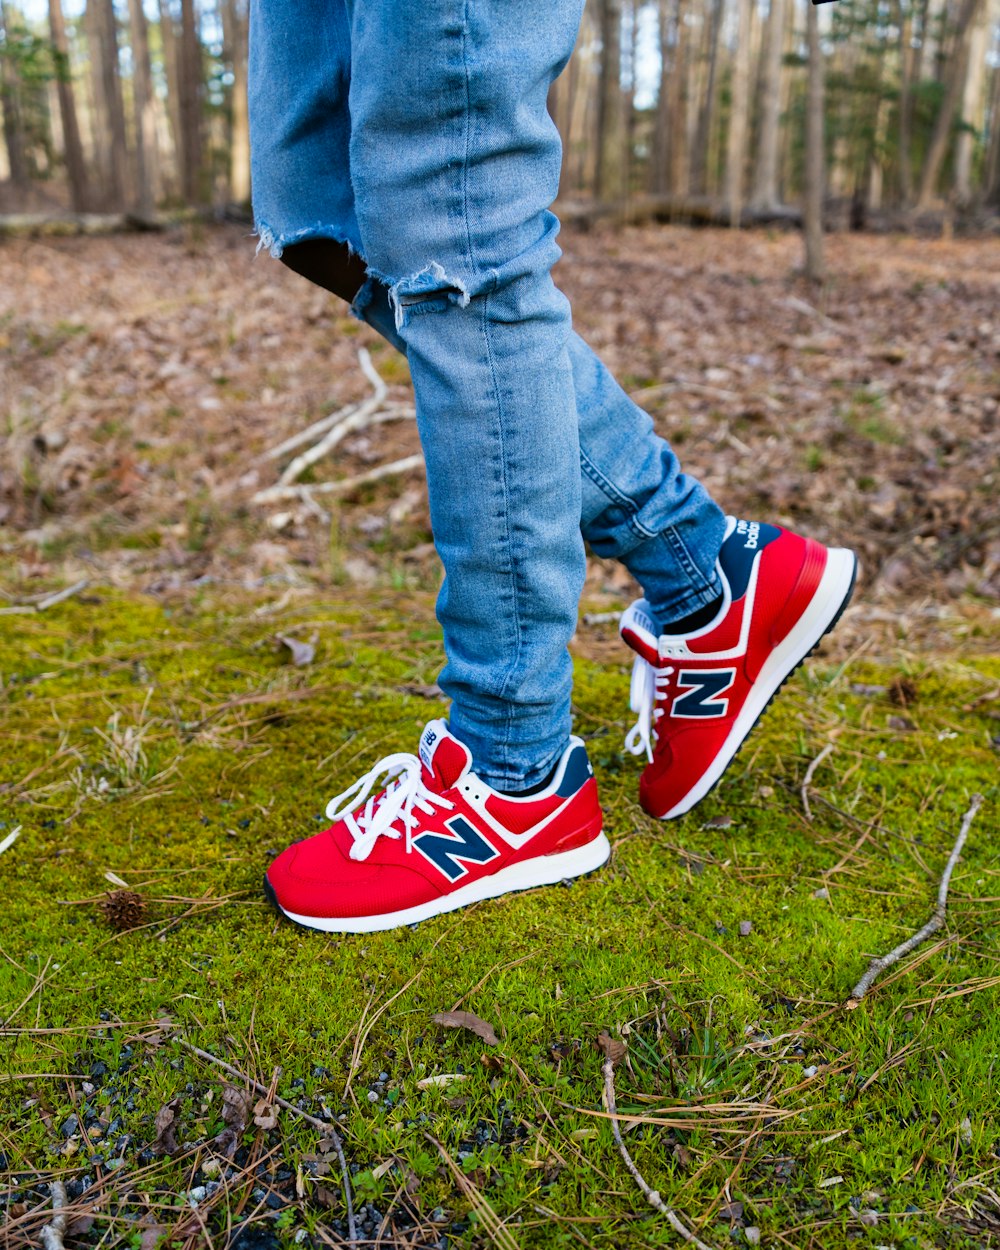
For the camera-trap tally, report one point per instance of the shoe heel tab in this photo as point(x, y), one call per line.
point(575, 770)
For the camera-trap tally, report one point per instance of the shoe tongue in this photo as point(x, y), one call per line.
point(639, 631)
point(444, 758)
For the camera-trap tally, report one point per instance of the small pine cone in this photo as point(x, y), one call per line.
point(123, 909)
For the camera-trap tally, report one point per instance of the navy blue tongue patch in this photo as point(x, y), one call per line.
point(739, 551)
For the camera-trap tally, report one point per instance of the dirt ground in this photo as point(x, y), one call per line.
point(143, 379)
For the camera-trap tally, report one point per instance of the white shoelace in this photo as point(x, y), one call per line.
point(405, 793)
point(648, 685)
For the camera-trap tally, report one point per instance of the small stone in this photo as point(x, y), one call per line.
point(752, 1234)
point(746, 928)
point(372, 1096)
point(822, 892)
point(810, 1071)
point(196, 1195)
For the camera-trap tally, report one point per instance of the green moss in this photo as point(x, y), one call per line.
point(128, 749)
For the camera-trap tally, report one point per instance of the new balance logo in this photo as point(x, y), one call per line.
point(445, 852)
point(703, 697)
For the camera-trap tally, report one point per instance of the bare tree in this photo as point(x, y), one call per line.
point(234, 26)
point(190, 88)
point(706, 114)
point(736, 147)
point(76, 169)
point(812, 213)
point(765, 176)
point(971, 112)
point(954, 80)
point(109, 111)
point(609, 180)
point(10, 99)
point(146, 162)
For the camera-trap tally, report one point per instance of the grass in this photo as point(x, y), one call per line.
point(176, 748)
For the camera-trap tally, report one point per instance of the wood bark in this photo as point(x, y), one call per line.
point(76, 168)
point(971, 112)
point(812, 206)
point(146, 156)
point(706, 114)
point(736, 139)
point(953, 83)
point(904, 23)
point(171, 68)
point(109, 133)
point(609, 176)
point(10, 99)
point(765, 175)
point(234, 22)
point(190, 87)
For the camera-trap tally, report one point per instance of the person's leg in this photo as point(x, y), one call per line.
point(453, 162)
point(637, 505)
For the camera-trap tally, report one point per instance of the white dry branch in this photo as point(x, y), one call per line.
point(651, 1195)
point(332, 431)
point(10, 839)
point(879, 964)
point(51, 1236)
point(810, 773)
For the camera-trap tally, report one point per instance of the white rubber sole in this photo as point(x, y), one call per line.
point(543, 870)
point(827, 603)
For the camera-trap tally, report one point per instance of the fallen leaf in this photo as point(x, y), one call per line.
point(81, 1225)
point(225, 1143)
point(326, 1197)
point(114, 878)
point(165, 1126)
point(380, 1171)
point(902, 691)
point(235, 1107)
point(151, 1237)
point(492, 1063)
point(466, 1020)
point(265, 1113)
point(10, 839)
point(303, 653)
point(441, 1078)
point(901, 723)
point(611, 1048)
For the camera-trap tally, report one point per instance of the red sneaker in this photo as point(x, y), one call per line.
point(437, 838)
point(698, 695)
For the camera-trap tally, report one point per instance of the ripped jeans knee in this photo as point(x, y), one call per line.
point(430, 289)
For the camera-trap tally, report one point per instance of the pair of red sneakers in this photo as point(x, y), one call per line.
point(422, 834)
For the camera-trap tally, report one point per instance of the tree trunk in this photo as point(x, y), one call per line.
point(189, 77)
point(76, 169)
point(991, 180)
point(736, 146)
point(110, 153)
point(13, 122)
point(234, 24)
point(971, 113)
point(954, 81)
point(812, 208)
point(765, 177)
point(168, 40)
point(609, 176)
point(706, 114)
point(146, 162)
point(904, 22)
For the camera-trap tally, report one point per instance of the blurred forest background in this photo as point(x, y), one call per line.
point(696, 109)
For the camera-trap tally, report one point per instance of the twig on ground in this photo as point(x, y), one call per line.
point(651, 1196)
point(276, 494)
point(879, 964)
point(51, 1236)
point(324, 1126)
point(10, 839)
point(807, 779)
point(602, 618)
point(491, 1222)
point(48, 601)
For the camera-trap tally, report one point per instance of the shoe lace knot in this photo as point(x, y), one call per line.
point(648, 685)
point(395, 805)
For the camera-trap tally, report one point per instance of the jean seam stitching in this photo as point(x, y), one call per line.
point(695, 575)
point(604, 483)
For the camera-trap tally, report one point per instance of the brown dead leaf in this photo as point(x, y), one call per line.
point(902, 724)
point(235, 1107)
point(225, 1143)
point(611, 1047)
point(80, 1226)
point(166, 1126)
point(326, 1197)
point(265, 1113)
point(492, 1063)
point(151, 1237)
point(902, 691)
point(466, 1020)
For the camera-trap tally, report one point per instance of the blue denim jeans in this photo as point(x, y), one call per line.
point(418, 134)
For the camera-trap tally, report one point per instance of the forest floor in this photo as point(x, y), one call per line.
point(155, 732)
